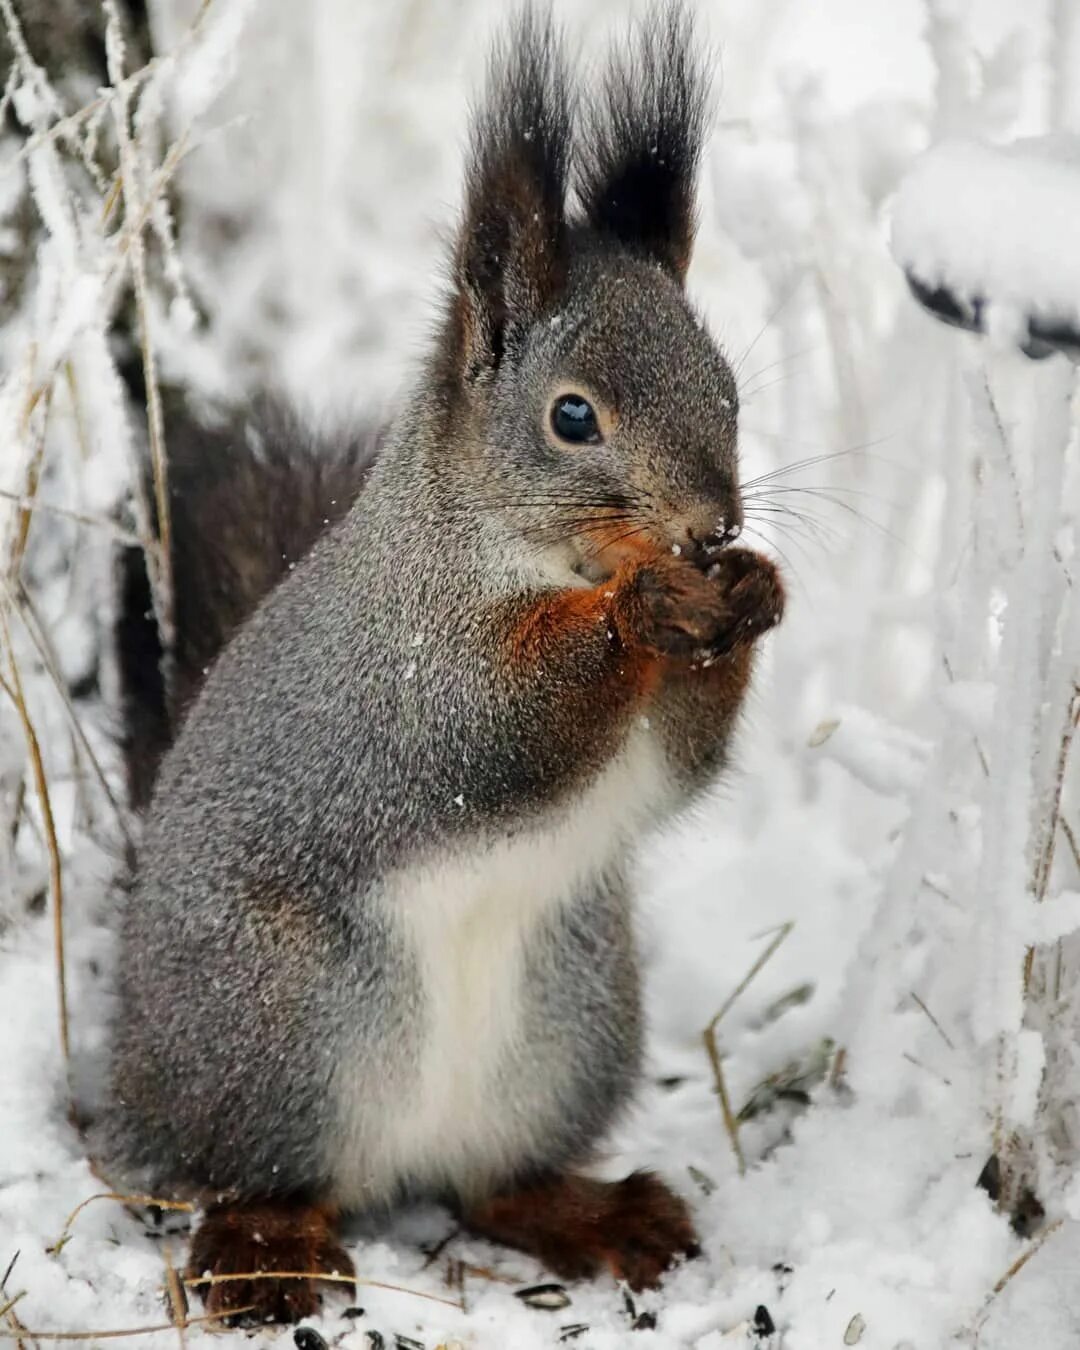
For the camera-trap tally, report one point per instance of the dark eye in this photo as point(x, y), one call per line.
point(574, 419)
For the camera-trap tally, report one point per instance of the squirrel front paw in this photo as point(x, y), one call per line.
point(689, 611)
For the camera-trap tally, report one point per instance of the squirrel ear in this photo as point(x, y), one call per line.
point(510, 257)
point(644, 133)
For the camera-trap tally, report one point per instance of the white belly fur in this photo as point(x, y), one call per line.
point(436, 1119)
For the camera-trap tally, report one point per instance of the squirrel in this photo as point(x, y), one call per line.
point(379, 943)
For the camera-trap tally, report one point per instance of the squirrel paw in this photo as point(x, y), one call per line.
point(636, 1228)
point(243, 1240)
point(688, 611)
point(753, 592)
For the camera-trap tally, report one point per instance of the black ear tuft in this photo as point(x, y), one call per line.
point(643, 139)
point(510, 258)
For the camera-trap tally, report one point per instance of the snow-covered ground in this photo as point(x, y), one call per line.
point(904, 799)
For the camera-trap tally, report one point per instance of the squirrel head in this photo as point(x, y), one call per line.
point(574, 372)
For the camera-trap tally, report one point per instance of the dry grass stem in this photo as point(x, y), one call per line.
point(121, 535)
point(178, 1305)
point(11, 1303)
point(780, 935)
point(493, 1276)
point(184, 1205)
point(14, 691)
point(984, 763)
point(36, 632)
point(1024, 1257)
point(456, 1272)
point(197, 1281)
point(712, 1046)
point(933, 1020)
point(905, 1054)
point(33, 476)
point(1072, 841)
point(1045, 860)
point(440, 1246)
point(731, 1121)
point(206, 1319)
point(1010, 1274)
point(160, 563)
point(76, 412)
point(111, 199)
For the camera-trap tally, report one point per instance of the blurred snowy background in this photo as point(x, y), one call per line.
point(222, 197)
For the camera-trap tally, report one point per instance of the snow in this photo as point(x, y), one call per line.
point(1030, 190)
point(899, 764)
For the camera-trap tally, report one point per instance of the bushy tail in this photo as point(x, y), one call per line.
point(248, 498)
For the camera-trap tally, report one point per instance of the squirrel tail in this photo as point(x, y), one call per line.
point(248, 497)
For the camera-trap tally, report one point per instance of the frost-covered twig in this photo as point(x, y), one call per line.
point(1044, 861)
point(25, 608)
point(13, 687)
point(27, 503)
point(159, 565)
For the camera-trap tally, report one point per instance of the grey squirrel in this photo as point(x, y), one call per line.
point(379, 942)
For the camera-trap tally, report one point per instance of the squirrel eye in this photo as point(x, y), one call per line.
point(574, 419)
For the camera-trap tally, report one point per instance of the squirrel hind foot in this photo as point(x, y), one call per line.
point(636, 1228)
point(245, 1243)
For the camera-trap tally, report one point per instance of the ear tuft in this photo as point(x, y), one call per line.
point(643, 141)
point(509, 262)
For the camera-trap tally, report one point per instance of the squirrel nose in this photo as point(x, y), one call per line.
point(705, 530)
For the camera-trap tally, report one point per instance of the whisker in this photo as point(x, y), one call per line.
point(783, 361)
point(553, 502)
point(802, 511)
point(815, 529)
point(821, 488)
point(812, 460)
point(556, 530)
point(602, 544)
point(823, 495)
point(772, 318)
point(771, 543)
point(801, 535)
point(748, 395)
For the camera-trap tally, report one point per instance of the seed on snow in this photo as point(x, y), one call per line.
point(763, 1323)
point(549, 1296)
point(855, 1329)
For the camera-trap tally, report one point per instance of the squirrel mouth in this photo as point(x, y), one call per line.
point(602, 547)
point(592, 571)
